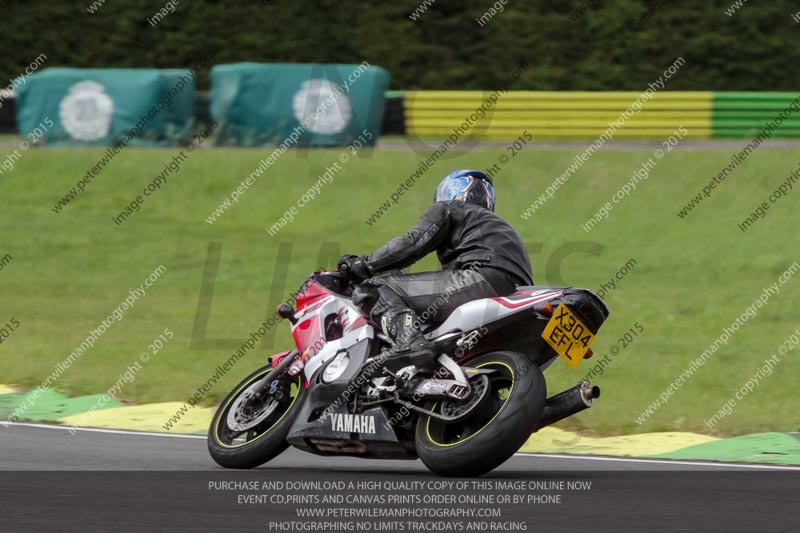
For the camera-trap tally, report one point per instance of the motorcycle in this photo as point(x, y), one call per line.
point(463, 415)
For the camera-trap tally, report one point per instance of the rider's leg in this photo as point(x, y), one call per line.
point(402, 303)
point(388, 310)
point(410, 345)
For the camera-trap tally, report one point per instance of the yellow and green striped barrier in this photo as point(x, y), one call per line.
point(583, 114)
point(745, 114)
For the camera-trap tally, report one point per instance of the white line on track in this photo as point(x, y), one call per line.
point(101, 430)
point(659, 461)
point(522, 454)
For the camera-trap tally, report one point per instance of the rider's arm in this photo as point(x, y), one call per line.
point(400, 252)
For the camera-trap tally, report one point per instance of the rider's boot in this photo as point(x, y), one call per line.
point(411, 347)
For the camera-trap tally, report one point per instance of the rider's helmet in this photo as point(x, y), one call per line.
point(469, 186)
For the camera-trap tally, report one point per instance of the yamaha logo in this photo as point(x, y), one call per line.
point(353, 423)
point(86, 111)
point(322, 107)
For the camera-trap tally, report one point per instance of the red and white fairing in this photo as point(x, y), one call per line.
point(477, 313)
point(316, 307)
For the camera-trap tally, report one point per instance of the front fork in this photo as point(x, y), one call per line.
point(280, 363)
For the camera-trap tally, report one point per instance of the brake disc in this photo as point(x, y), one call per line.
point(242, 416)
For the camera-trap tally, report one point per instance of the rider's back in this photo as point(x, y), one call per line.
point(477, 235)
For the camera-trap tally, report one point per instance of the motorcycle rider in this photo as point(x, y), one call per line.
point(480, 253)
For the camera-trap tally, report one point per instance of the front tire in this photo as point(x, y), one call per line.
point(254, 441)
point(493, 433)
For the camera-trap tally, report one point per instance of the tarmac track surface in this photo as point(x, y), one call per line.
point(106, 480)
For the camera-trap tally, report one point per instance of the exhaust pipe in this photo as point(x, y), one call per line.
point(567, 403)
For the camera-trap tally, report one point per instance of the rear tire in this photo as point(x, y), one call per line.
point(493, 433)
point(264, 441)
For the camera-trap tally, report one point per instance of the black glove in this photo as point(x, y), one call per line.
point(354, 267)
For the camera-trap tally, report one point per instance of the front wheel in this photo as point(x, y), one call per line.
point(504, 420)
point(251, 424)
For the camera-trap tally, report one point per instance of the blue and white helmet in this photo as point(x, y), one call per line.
point(469, 186)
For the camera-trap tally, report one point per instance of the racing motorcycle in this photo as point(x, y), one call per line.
point(463, 415)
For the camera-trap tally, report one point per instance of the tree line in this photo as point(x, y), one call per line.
point(569, 45)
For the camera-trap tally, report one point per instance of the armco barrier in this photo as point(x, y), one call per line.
point(587, 114)
point(558, 114)
point(434, 113)
point(744, 114)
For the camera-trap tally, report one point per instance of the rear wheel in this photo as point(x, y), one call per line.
point(250, 427)
point(495, 430)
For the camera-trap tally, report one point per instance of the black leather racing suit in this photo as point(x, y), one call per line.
point(481, 256)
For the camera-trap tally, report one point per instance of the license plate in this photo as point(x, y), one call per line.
point(568, 336)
